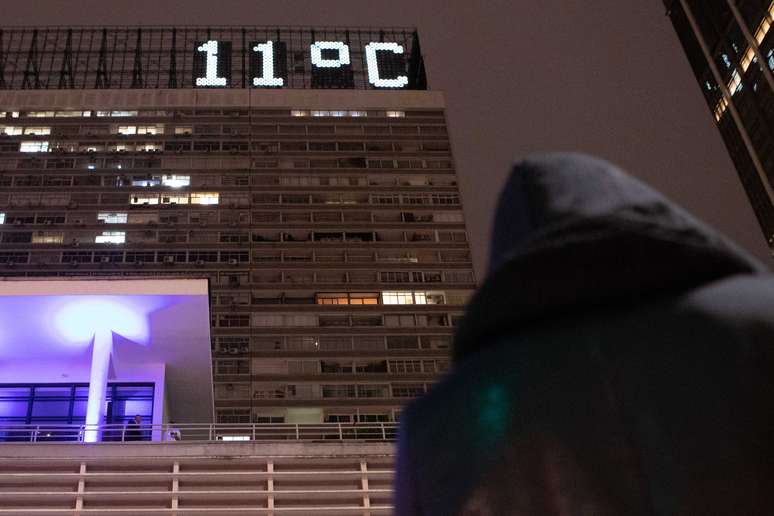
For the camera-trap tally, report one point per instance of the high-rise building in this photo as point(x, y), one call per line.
point(730, 47)
point(307, 173)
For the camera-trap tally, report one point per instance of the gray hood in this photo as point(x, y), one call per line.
point(574, 233)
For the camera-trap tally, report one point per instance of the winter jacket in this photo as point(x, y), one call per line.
point(618, 360)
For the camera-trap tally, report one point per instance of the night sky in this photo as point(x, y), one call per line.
point(606, 77)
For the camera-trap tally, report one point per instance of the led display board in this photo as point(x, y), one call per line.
point(210, 57)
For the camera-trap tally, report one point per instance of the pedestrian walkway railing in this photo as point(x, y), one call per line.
point(220, 432)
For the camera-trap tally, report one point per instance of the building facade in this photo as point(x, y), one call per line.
point(730, 47)
point(308, 174)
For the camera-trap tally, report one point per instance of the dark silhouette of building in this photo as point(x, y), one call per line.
point(730, 47)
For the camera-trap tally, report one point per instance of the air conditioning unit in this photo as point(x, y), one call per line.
point(104, 259)
point(139, 263)
point(74, 264)
point(47, 222)
point(74, 242)
point(233, 261)
point(200, 263)
point(17, 222)
point(169, 260)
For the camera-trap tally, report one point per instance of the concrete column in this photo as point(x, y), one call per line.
point(98, 380)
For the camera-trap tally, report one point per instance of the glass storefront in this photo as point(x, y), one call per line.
point(56, 405)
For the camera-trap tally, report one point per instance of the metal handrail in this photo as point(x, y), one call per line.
point(198, 432)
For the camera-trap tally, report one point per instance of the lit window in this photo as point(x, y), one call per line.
point(176, 181)
point(40, 114)
point(396, 114)
point(2, 218)
point(12, 130)
point(364, 299)
point(71, 114)
point(735, 84)
point(205, 198)
point(420, 298)
point(91, 166)
point(183, 129)
point(37, 131)
point(140, 129)
point(47, 237)
point(116, 113)
point(149, 147)
point(150, 129)
point(397, 298)
point(112, 217)
point(146, 181)
point(335, 113)
point(111, 237)
point(144, 199)
point(332, 299)
point(298, 112)
point(234, 437)
point(15, 114)
point(33, 147)
point(174, 199)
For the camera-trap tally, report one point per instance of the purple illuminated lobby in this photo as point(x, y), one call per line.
point(106, 408)
point(93, 355)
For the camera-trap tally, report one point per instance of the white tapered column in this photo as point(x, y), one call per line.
point(98, 380)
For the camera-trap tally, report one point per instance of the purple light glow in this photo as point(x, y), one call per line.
point(58, 326)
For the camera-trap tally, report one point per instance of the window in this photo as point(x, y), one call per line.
point(48, 237)
point(407, 390)
point(140, 129)
point(37, 131)
point(146, 181)
point(39, 114)
point(395, 114)
point(176, 181)
point(112, 217)
point(364, 299)
point(183, 130)
point(299, 112)
point(336, 113)
point(205, 198)
point(333, 299)
point(174, 199)
point(33, 147)
point(71, 114)
point(2, 218)
point(12, 130)
point(117, 113)
point(397, 298)
point(111, 237)
point(144, 199)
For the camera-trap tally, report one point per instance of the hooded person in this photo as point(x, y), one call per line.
point(618, 360)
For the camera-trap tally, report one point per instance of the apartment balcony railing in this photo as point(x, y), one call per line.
point(192, 433)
